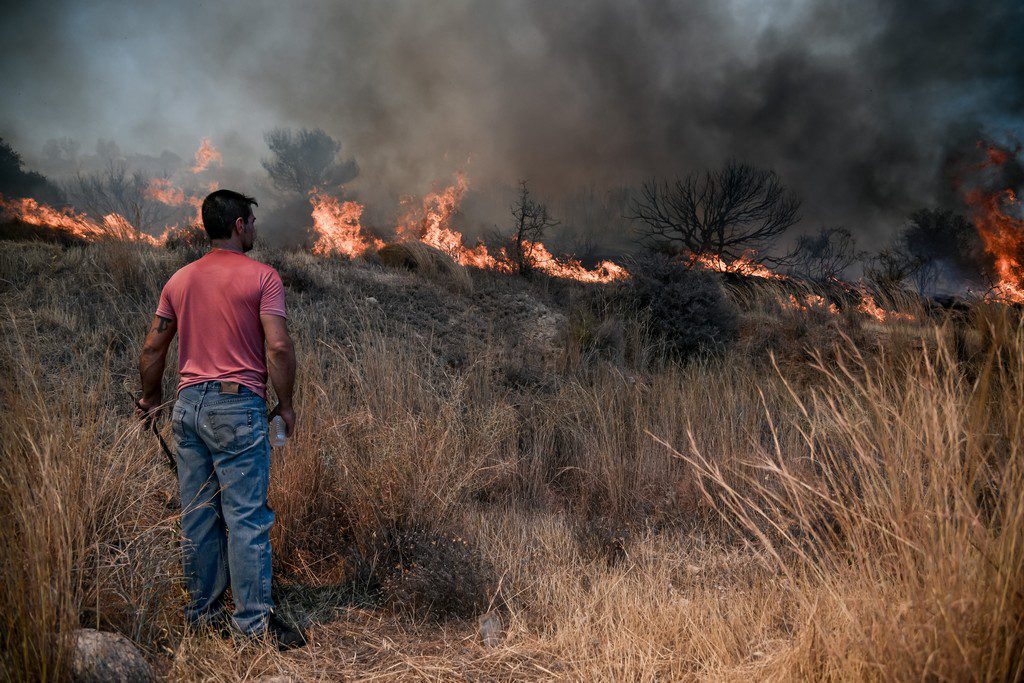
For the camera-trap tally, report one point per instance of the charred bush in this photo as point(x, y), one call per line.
point(436, 576)
point(300, 272)
point(687, 309)
point(189, 240)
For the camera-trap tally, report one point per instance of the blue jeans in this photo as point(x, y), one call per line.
point(223, 451)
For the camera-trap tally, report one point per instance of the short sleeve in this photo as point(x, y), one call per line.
point(164, 309)
point(272, 295)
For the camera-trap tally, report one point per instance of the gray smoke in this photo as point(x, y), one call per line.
point(858, 106)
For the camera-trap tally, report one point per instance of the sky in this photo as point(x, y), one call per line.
point(858, 106)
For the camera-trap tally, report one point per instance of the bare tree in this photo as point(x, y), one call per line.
point(891, 267)
point(824, 255)
point(306, 159)
point(115, 190)
point(531, 220)
point(725, 213)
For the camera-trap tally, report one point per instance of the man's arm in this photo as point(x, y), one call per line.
point(152, 361)
point(280, 367)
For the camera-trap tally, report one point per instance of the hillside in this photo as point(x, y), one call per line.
point(723, 484)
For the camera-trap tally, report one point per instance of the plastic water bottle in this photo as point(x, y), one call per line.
point(277, 433)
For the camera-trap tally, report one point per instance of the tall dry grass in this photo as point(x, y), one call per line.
point(900, 528)
point(852, 513)
point(86, 533)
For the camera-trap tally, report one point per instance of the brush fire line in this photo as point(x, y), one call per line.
point(338, 230)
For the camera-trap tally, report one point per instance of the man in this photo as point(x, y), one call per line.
point(224, 307)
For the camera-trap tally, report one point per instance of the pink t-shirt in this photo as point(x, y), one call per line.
point(217, 302)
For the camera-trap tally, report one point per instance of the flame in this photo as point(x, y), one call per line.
point(430, 222)
point(571, 269)
point(1001, 232)
point(338, 228)
point(744, 265)
point(811, 302)
point(113, 226)
point(163, 190)
point(206, 155)
point(869, 307)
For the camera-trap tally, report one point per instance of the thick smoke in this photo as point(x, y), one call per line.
point(858, 106)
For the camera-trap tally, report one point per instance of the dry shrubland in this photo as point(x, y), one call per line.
point(820, 498)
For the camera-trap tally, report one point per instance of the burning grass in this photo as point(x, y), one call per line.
point(854, 510)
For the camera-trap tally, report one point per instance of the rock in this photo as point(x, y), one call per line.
point(490, 629)
point(102, 657)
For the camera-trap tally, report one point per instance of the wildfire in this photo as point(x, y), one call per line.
point(162, 190)
point(113, 226)
point(744, 265)
point(206, 155)
point(1000, 230)
point(571, 269)
point(869, 307)
point(430, 222)
point(811, 302)
point(338, 228)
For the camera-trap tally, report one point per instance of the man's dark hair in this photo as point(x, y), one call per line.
point(221, 209)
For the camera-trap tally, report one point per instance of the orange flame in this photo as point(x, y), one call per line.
point(1002, 232)
point(869, 307)
point(206, 155)
point(571, 269)
point(811, 302)
point(338, 228)
point(430, 222)
point(113, 226)
point(744, 265)
point(163, 190)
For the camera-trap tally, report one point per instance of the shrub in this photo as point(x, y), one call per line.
point(190, 240)
point(434, 575)
point(687, 309)
point(300, 271)
point(429, 262)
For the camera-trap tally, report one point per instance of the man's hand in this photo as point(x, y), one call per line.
point(288, 415)
point(147, 411)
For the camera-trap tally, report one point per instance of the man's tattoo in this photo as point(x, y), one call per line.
point(161, 326)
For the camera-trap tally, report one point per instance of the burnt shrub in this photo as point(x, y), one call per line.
point(434, 575)
point(301, 272)
point(190, 240)
point(687, 310)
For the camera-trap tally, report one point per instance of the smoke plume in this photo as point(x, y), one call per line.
point(858, 106)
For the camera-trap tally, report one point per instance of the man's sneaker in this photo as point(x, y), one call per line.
point(283, 634)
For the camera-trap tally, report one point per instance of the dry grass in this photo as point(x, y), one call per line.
point(854, 513)
point(427, 261)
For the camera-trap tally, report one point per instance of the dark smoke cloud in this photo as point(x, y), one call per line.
point(858, 106)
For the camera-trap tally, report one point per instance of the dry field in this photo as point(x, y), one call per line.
point(828, 499)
